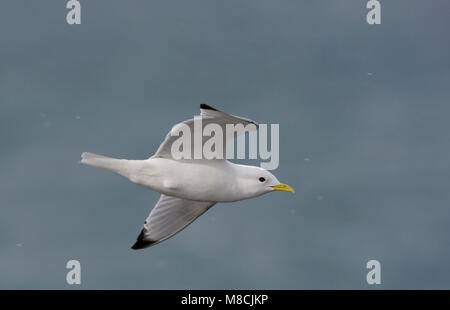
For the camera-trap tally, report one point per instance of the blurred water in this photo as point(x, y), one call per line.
point(364, 122)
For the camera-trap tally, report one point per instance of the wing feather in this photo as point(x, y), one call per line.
point(208, 115)
point(168, 217)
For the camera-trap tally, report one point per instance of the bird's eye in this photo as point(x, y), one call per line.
point(261, 179)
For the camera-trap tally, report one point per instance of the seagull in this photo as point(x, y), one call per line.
point(188, 187)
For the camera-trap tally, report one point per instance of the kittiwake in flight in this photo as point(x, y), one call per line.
point(189, 187)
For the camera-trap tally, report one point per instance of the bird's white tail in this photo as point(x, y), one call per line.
point(119, 166)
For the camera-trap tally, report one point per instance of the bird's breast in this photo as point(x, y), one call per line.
point(202, 181)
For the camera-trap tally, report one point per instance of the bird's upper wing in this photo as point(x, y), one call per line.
point(208, 115)
point(169, 216)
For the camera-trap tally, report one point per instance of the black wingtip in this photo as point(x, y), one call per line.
point(141, 243)
point(207, 107)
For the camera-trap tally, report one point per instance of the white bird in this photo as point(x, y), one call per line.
point(188, 187)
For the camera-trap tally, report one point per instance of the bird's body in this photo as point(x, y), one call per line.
point(180, 178)
point(188, 187)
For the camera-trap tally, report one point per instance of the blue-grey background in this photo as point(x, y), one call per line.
point(364, 122)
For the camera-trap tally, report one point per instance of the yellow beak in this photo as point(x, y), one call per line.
point(283, 187)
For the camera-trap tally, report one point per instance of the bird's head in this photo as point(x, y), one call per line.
point(258, 181)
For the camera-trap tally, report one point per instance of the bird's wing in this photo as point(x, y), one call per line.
point(169, 216)
point(208, 115)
